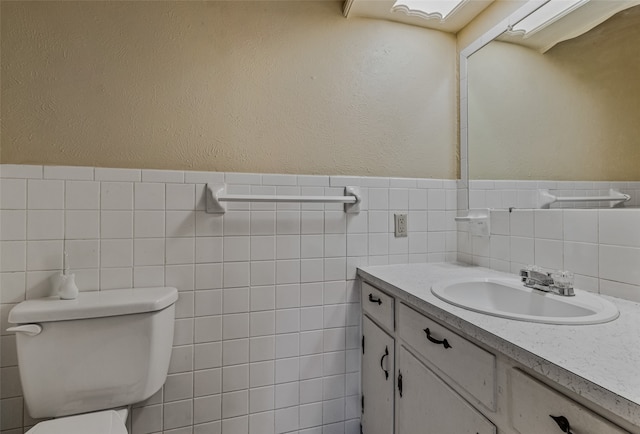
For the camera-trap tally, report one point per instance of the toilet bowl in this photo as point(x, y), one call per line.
point(104, 351)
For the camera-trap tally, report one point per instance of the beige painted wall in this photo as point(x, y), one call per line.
point(266, 86)
point(570, 114)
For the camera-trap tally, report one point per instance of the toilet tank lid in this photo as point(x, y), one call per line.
point(94, 304)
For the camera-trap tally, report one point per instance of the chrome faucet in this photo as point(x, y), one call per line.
point(536, 279)
point(533, 277)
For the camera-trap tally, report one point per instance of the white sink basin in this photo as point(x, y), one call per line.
point(509, 298)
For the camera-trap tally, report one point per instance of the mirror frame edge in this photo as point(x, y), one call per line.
point(463, 91)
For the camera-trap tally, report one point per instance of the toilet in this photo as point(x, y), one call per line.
point(84, 361)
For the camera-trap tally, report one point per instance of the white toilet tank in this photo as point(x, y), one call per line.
point(105, 349)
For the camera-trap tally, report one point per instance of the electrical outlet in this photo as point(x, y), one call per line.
point(400, 225)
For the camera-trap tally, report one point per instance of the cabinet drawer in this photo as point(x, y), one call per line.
point(533, 404)
point(378, 305)
point(466, 364)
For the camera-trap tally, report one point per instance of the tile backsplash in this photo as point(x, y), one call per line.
point(600, 246)
point(267, 329)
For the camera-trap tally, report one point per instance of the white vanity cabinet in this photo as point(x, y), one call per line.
point(426, 404)
point(418, 376)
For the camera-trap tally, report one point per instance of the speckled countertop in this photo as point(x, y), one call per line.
point(599, 362)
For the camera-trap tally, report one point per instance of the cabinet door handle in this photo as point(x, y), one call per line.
point(373, 299)
point(563, 423)
point(444, 342)
point(386, 372)
point(400, 383)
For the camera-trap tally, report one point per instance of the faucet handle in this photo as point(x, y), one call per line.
point(527, 270)
point(563, 282)
point(532, 271)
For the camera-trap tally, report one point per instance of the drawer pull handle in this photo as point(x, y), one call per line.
point(444, 342)
point(373, 299)
point(386, 372)
point(563, 423)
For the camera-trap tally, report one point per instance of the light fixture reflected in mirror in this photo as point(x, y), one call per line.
point(552, 11)
point(560, 20)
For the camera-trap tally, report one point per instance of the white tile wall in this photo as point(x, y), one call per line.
point(602, 247)
point(267, 329)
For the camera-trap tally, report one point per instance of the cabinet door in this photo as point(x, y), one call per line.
point(429, 406)
point(377, 379)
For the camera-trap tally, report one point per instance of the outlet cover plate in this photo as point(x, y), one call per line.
point(400, 221)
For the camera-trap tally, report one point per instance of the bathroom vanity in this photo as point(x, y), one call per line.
point(429, 366)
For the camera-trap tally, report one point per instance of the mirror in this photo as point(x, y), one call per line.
point(566, 113)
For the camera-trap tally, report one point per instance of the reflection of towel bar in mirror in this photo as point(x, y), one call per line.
point(217, 195)
point(615, 197)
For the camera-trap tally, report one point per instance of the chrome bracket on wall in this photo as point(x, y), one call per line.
point(216, 196)
point(478, 220)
